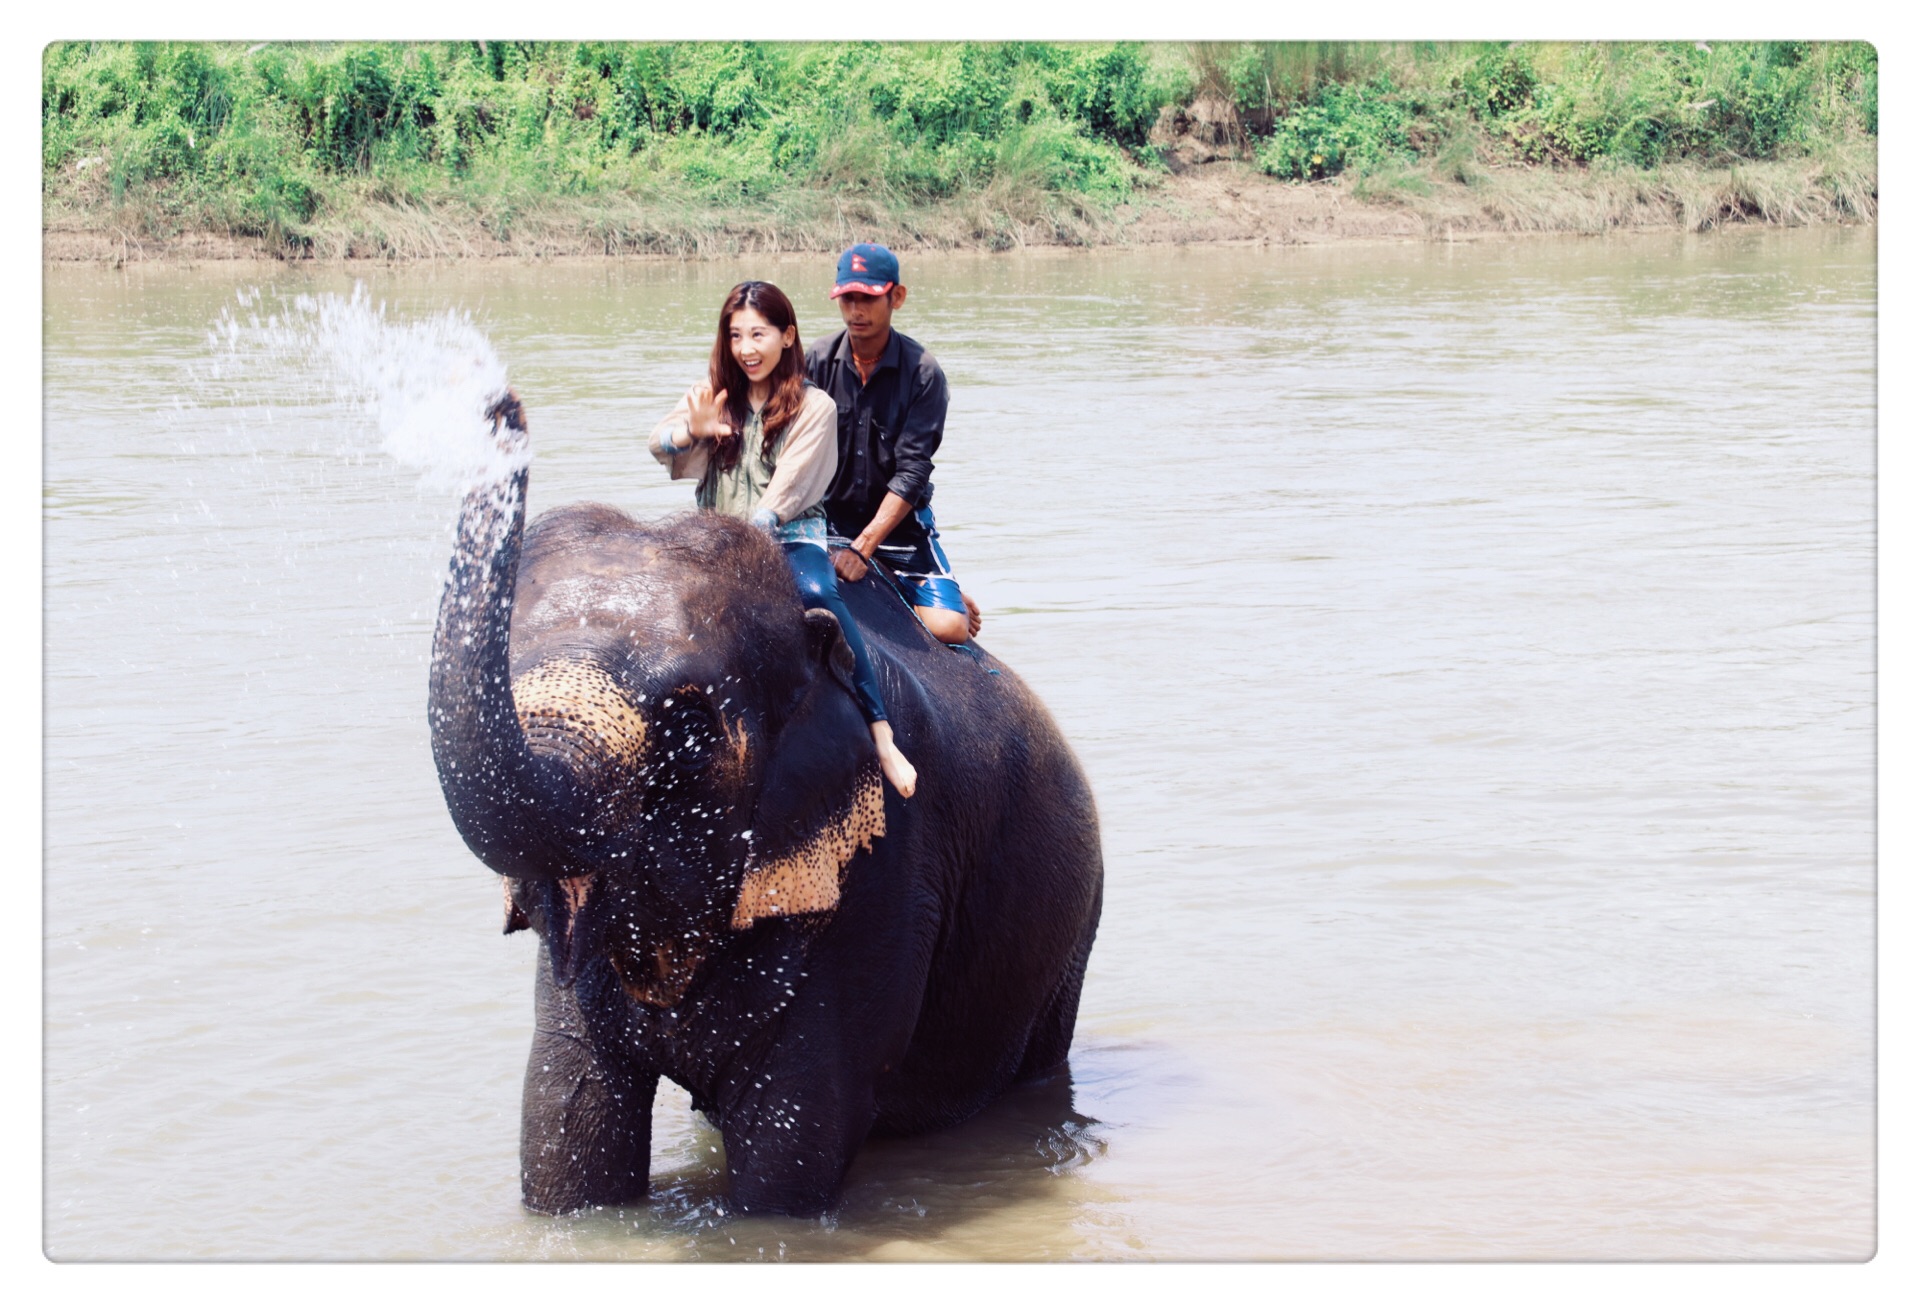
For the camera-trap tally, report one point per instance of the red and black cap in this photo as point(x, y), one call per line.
point(866, 269)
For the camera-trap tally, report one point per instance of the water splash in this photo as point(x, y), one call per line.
point(421, 388)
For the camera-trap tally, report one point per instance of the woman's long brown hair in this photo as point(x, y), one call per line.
point(789, 377)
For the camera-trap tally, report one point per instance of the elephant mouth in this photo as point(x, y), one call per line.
point(559, 921)
point(572, 896)
point(655, 972)
point(662, 977)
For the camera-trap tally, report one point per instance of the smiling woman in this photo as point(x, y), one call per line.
point(762, 441)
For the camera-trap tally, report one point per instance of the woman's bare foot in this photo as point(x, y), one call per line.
point(893, 763)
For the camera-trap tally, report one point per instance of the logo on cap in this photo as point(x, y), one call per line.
point(866, 269)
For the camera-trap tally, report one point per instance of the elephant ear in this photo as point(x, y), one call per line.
point(821, 801)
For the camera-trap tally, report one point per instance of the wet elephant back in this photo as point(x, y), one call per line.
point(1015, 867)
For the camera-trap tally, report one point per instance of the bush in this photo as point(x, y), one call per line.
point(267, 137)
point(1345, 126)
point(1498, 83)
point(1110, 91)
point(1647, 103)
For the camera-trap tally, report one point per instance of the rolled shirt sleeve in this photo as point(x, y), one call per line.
point(690, 463)
point(920, 430)
point(808, 457)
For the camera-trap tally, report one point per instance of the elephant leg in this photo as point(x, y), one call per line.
point(1053, 1032)
point(788, 1153)
point(586, 1124)
point(796, 1117)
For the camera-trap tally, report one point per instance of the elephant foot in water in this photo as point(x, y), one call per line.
point(585, 1127)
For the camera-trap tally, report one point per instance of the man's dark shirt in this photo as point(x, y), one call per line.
point(890, 429)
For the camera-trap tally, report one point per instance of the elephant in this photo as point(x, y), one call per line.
point(642, 729)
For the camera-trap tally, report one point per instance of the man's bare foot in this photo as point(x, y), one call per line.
point(893, 763)
point(973, 615)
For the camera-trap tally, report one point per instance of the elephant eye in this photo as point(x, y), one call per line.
point(688, 732)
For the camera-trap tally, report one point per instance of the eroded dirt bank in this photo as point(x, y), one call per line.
point(1220, 201)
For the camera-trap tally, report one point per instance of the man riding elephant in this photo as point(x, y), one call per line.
point(892, 398)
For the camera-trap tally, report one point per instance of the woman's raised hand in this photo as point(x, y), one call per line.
point(707, 419)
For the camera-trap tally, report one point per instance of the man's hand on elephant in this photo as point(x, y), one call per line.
point(849, 565)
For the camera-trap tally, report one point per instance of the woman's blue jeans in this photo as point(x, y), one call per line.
point(820, 587)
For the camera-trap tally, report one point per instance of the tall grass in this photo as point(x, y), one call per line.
point(548, 146)
point(1464, 108)
point(277, 140)
point(1262, 80)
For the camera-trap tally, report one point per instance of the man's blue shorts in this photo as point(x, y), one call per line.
point(924, 575)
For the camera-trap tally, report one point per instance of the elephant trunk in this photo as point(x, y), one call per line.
point(503, 796)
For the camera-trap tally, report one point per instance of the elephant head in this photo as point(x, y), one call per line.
point(640, 728)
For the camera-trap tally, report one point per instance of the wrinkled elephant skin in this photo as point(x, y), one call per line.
point(641, 729)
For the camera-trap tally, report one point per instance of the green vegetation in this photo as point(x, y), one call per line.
point(422, 148)
point(271, 140)
point(1638, 105)
point(1346, 125)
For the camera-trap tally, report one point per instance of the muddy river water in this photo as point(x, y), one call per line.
point(1471, 648)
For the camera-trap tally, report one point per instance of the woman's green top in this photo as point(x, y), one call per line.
point(787, 499)
point(738, 490)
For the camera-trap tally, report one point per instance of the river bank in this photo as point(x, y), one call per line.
point(486, 149)
point(1220, 201)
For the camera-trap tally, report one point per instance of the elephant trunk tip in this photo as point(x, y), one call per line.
point(507, 410)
